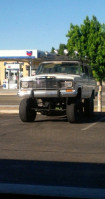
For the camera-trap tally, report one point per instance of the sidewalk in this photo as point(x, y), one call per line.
point(8, 91)
point(9, 109)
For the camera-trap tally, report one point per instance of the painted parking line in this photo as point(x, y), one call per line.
point(56, 191)
point(93, 124)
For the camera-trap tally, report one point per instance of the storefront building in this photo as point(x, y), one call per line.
point(15, 64)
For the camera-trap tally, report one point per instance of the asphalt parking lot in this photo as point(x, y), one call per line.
point(54, 138)
point(51, 156)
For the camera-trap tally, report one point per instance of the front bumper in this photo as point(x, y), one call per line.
point(47, 93)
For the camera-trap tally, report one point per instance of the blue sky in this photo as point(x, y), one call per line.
point(43, 24)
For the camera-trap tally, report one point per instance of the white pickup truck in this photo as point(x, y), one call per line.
point(66, 86)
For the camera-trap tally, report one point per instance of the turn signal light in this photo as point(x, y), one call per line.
point(69, 90)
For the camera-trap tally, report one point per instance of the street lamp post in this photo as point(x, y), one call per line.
point(30, 67)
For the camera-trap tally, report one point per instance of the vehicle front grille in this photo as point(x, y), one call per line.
point(47, 83)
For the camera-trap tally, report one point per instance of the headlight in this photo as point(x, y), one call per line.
point(68, 84)
point(27, 84)
point(24, 84)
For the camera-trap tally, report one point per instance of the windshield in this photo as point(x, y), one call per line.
point(68, 68)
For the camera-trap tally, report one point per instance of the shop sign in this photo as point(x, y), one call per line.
point(12, 66)
point(29, 53)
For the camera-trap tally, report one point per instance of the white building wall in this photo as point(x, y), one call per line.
point(20, 53)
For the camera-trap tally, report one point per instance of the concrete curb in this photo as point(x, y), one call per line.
point(9, 111)
point(8, 93)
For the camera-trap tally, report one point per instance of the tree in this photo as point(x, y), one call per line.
point(74, 39)
point(52, 50)
point(88, 40)
point(61, 49)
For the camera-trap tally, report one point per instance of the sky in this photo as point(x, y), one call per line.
point(43, 24)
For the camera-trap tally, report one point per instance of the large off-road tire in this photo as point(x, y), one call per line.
point(89, 106)
point(74, 111)
point(26, 113)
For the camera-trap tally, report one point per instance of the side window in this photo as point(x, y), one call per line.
point(86, 71)
point(81, 69)
point(90, 73)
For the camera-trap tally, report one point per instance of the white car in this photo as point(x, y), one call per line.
point(67, 86)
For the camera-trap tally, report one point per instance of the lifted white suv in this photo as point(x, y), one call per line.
point(66, 86)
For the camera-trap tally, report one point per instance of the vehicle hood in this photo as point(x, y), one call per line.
point(58, 76)
point(31, 78)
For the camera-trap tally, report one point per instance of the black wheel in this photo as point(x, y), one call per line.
point(74, 111)
point(26, 113)
point(89, 106)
